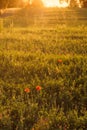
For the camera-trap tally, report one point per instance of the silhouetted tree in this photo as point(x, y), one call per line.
point(73, 3)
point(84, 3)
point(10, 3)
point(4, 4)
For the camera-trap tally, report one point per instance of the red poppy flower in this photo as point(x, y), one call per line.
point(38, 88)
point(27, 90)
point(59, 61)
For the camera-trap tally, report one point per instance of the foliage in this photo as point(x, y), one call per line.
point(4, 3)
point(84, 3)
point(10, 3)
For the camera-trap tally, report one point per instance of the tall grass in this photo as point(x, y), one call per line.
point(47, 49)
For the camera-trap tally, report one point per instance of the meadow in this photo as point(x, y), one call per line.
point(43, 70)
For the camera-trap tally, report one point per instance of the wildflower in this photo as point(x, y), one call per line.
point(27, 90)
point(38, 88)
point(59, 61)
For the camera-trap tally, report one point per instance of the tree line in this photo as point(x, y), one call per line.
point(74, 3)
point(20, 3)
point(10, 3)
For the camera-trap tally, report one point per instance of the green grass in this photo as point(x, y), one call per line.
point(45, 47)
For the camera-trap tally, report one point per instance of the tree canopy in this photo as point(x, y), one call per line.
point(35, 3)
point(4, 3)
point(10, 3)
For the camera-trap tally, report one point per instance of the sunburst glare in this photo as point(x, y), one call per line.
point(55, 3)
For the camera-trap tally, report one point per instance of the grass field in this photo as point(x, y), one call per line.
point(43, 70)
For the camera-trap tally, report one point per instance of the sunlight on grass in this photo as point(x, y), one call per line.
point(43, 69)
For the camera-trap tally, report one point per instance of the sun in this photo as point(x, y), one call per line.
point(55, 3)
point(52, 3)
